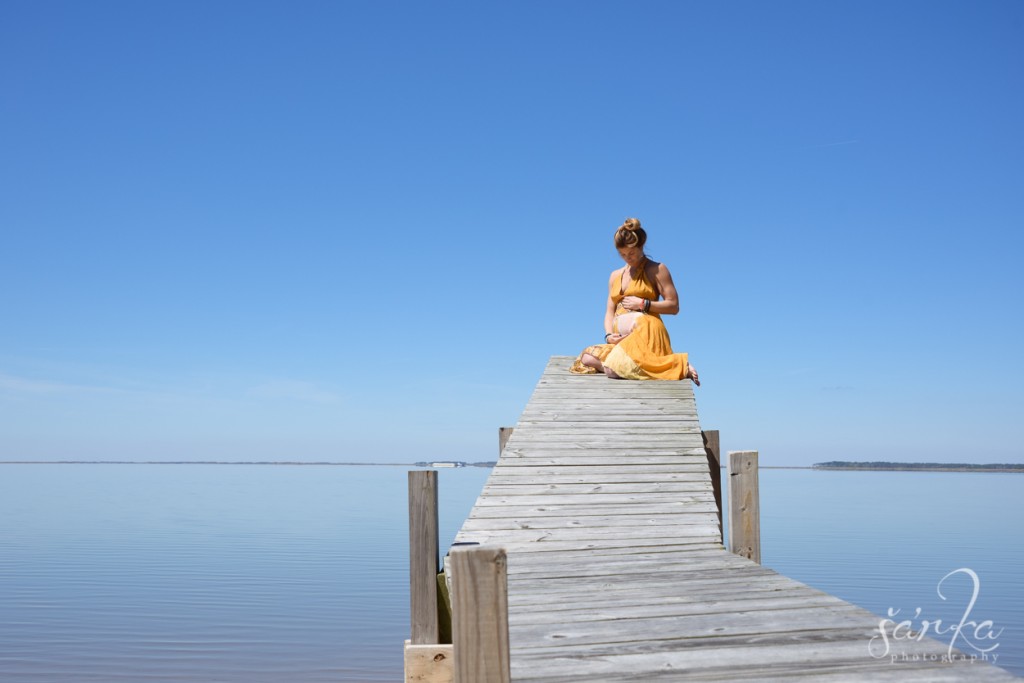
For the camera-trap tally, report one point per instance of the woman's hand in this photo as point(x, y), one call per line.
point(615, 338)
point(632, 303)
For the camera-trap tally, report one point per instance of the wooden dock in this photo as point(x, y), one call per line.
point(603, 501)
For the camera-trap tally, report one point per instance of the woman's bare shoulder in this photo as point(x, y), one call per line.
point(656, 268)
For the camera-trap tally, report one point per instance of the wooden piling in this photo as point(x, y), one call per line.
point(503, 434)
point(423, 557)
point(714, 453)
point(744, 506)
point(480, 614)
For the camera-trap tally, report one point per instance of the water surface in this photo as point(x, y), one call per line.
point(300, 573)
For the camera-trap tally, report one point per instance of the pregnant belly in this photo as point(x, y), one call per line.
point(625, 322)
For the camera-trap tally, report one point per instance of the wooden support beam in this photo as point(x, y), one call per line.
point(503, 434)
point(714, 452)
point(480, 614)
point(744, 506)
point(423, 557)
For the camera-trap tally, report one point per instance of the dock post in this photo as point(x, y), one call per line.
point(744, 506)
point(503, 434)
point(714, 453)
point(423, 557)
point(480, 614)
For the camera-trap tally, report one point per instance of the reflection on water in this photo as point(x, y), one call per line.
point(270, 573)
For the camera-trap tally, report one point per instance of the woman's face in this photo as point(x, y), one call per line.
point(631, 255)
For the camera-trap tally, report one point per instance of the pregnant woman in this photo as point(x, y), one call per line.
point(636, 341)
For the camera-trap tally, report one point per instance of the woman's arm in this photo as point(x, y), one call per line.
point(614, 282)
point(669, 304)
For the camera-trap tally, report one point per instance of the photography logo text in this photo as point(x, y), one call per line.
point(969, 639)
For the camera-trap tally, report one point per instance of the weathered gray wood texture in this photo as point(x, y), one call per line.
point(480, 614)
point(423, 560)
point(503, 434)
point(616, 572)
point(744, 505)
point(714, 453)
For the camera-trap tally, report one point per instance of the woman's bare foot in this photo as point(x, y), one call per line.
point(691, 372)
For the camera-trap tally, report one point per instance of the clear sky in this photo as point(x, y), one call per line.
point(357, 231)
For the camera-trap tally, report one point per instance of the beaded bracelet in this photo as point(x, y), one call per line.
point(647, 305)
point(607, 334)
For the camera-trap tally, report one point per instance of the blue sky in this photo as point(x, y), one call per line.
point(357, 231)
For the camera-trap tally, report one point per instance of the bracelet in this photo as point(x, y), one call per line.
point(607, 334)
point(647, 305)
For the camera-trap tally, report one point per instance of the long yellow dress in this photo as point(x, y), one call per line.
point(646, 352)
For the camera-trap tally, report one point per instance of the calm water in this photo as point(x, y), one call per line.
point(269, 573)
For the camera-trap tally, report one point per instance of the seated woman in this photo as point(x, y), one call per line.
point(636, 341)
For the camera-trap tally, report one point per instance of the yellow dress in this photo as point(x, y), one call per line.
point(646, 352)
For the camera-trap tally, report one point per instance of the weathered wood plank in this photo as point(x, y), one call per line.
point(606, 487)
point(652, 416)
point(588, 458)
point(587, 563)
point(586, 536)
point(516, 454)
point(696, 499)
point(518, 477)
point(620, 614)
point(640, 598)
point(626, 469)
point(621, 438)
point(565, 523)
point(623, 590)
point(824, 654)
point(572, 511)
point(637, 427)
point(538, 543)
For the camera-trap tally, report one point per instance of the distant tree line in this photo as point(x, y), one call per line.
point(885, 465)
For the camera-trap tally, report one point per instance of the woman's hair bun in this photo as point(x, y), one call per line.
point(632, 224)
point(630, 234)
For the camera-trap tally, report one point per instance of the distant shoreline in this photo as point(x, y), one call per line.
point(883, 466)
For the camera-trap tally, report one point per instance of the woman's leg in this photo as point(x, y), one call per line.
point(691, 373)
point(593, 362)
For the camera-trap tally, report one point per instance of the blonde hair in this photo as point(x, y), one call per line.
point(630, 234)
